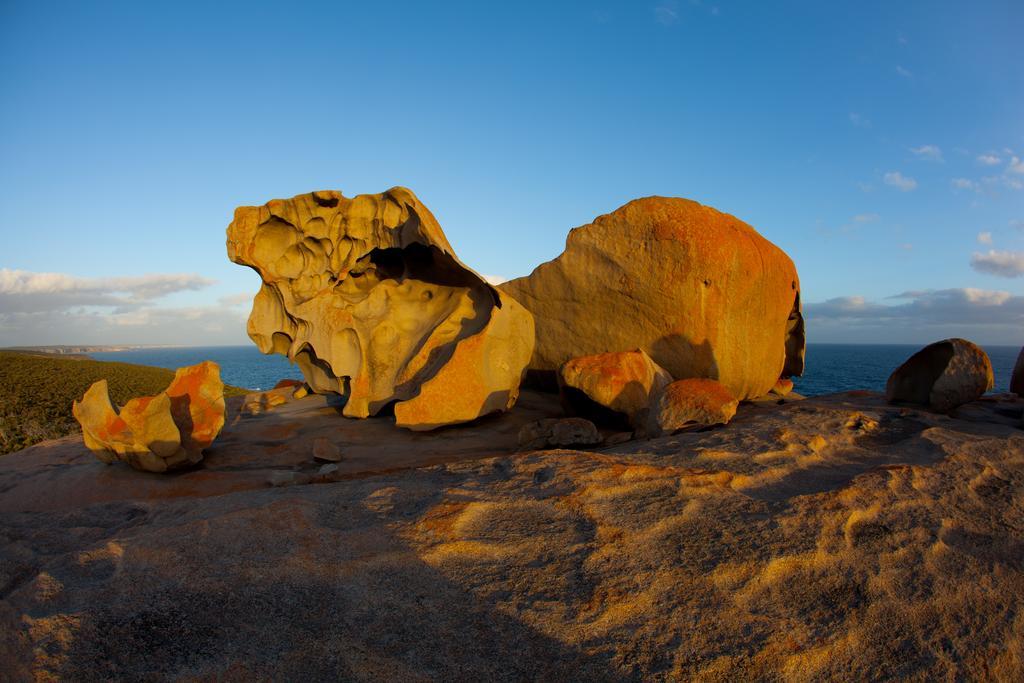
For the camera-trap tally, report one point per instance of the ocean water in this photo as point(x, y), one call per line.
point(241, 366)
point(829, 368)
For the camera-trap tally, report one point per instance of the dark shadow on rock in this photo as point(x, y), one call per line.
point(681, 357)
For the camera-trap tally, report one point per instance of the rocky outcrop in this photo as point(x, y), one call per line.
point(1017, 378)
point(942, 376)
point(701, 292)
point(156, 433)
point(622, 382)
point(689, 402)
point(834, 539)
point(367, 297)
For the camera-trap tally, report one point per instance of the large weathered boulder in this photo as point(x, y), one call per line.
point(700, 291)
point(623, 382)
point(156, 433)
point(367, 297)
point(688, 402)
point(942, 376)
point(1017, 378)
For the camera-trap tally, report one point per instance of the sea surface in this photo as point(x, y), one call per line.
point(829, 368)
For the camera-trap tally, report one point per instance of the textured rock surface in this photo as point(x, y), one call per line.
point(692, 402)
point(942, 375)
point(156, 433)
point(623, 381)
point(558, 433)
point(369, 299)
point(837, 538)
point(1017, 379)
point(700, 291)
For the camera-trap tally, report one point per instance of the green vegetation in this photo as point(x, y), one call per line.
point(38, 391)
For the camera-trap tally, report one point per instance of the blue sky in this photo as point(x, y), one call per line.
point(880, 144)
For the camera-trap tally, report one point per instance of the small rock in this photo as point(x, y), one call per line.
point(617, 438)
point(301, 392)
point(782, 387)
point(692, 401)
point(558, 432)
point(942, 376)
point(622, 382)
point(324, 449)
point(287, 478)
point(263, 401)
point(327, 469)
point(288, 383)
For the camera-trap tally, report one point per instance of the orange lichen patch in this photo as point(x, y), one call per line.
point(693, 401)
point(156, 433)
point(621, 381)
point(367, 297)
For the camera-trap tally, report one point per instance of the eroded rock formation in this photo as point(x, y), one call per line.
point(1017, 378)
point(369, 299)
point(700, 291)
point(156, 433)
point(942, 376)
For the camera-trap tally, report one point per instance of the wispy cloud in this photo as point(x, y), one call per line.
point(906, 73)
point(865, 218)
point(899, 181)
point(919, 316)
point(60, 308)
point(1015, 166)
point(666, 13)
point(989, 159)
point(984, 238)
point(859, 120)
point(1001, 263)
point(927, 152)
point(964, 184)
point(31, 291)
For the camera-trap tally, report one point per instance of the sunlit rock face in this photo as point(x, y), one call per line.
point(156, 433)
point(700, 291)
point(942, 376)
point(367, 297)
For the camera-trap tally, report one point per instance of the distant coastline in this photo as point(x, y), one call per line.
point(62, 350)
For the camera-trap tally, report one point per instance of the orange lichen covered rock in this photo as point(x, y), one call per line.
point(367, 297)
point(156, 433)
point(692, 401)
point(783, 387)
point(942, 376)
point(701, 292)
point(623, 381)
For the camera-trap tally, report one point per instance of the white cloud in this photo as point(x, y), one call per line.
point(58, 308)
point(859, 120)
point(989, 159)
point(899, 181)
point(927, 152)
point(919, 316)
point(1001, 263)
point(866, 218)
point(667, 13)
point(240, 299)
point(903, 72)
point(984, 238)
point(1015, 166)
point(494, 279)
point(30, 291)
point(964, 184)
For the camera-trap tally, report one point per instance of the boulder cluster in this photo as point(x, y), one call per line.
point(368, 298)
